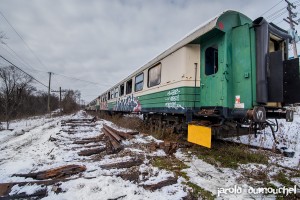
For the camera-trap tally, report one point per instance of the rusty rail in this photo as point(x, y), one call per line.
point(114, 138)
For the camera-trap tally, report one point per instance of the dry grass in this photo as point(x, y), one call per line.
point(228, 155)
point(137, 124)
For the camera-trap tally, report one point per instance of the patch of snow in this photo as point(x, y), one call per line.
point(27, 189)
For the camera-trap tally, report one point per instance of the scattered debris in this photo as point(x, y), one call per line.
point(118, 197)
point(168, 146)
point(125, 164)
point(90, 140)
point(112, 140)
point(5, 188)
point(52, 139)
point(89, 152)
point(169, 181)
point(130, 176)
point(59, 172)
point(38, 194)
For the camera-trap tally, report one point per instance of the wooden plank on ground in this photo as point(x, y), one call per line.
point(59, 172)
point(5, 188)
point(125, 164)
point(169, 181)
point(89, 152)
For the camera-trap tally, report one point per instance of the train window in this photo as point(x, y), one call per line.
point(139, 82)
point(108, 96)
point(129, 86)
point(122, 89)
point(112, 94)
point(211, 60)
point(116, 93)
point(154, 75)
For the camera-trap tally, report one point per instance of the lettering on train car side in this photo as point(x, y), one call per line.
point(172, 99)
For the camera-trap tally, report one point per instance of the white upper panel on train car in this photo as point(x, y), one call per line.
point(194, 34)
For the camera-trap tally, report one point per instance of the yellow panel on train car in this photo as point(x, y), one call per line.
point(199, 135)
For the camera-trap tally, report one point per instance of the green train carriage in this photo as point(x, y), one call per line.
point(226, 77)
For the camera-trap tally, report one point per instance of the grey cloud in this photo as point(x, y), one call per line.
point(104, 41)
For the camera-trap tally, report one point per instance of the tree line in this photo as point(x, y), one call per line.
point(19, 98)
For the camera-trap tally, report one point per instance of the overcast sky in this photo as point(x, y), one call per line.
point(103, 41)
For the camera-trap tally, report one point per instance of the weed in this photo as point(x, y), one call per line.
point(223, 155)
point(270, 185)
point(176, 166)
point(295, 174)
point(283, 179)
point(170, 164)
point(200, 192)
point(256, 176)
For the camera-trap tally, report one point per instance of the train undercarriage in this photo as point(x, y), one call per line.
point(233, 123)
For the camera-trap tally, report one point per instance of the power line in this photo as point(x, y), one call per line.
point(19, 57)
point(272, 7)
point(21, 39)
point(22, 61)
point(275, 13)
point(23, 71)
point(279, 22)
point(90, 82)
point(81, 80)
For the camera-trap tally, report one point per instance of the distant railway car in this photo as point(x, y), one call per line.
point(228, 76)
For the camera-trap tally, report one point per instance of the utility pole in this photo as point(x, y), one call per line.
point(292, 23)
point(49, 92)
point(60, 91)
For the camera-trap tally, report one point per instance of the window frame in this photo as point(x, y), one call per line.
point(215, 49)
point(112, 93)
point(148, 81)
point(127, 92)
point(122, 93)
point(142, 82)
point(116, 93)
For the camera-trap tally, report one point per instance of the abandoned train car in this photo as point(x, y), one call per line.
point(229, 75)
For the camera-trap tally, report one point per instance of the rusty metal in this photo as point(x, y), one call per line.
point(114, 138)
point(112, 132)
point(115, 145)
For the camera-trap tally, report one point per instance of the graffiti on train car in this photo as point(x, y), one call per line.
point(129, 103)
point(103, 105)
point(172, 99)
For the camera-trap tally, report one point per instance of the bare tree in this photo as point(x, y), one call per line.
point(13, 83)
point(69, 101)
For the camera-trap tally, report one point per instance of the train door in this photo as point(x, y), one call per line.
point(211, 83)
point(241, 68)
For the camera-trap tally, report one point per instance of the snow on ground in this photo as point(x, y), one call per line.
point(288, 135)
point(34, 151)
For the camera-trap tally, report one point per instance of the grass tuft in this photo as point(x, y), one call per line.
point(200, 192)
point(231, 156)
point(283, 179)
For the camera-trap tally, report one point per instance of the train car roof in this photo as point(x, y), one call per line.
point(187, 39)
